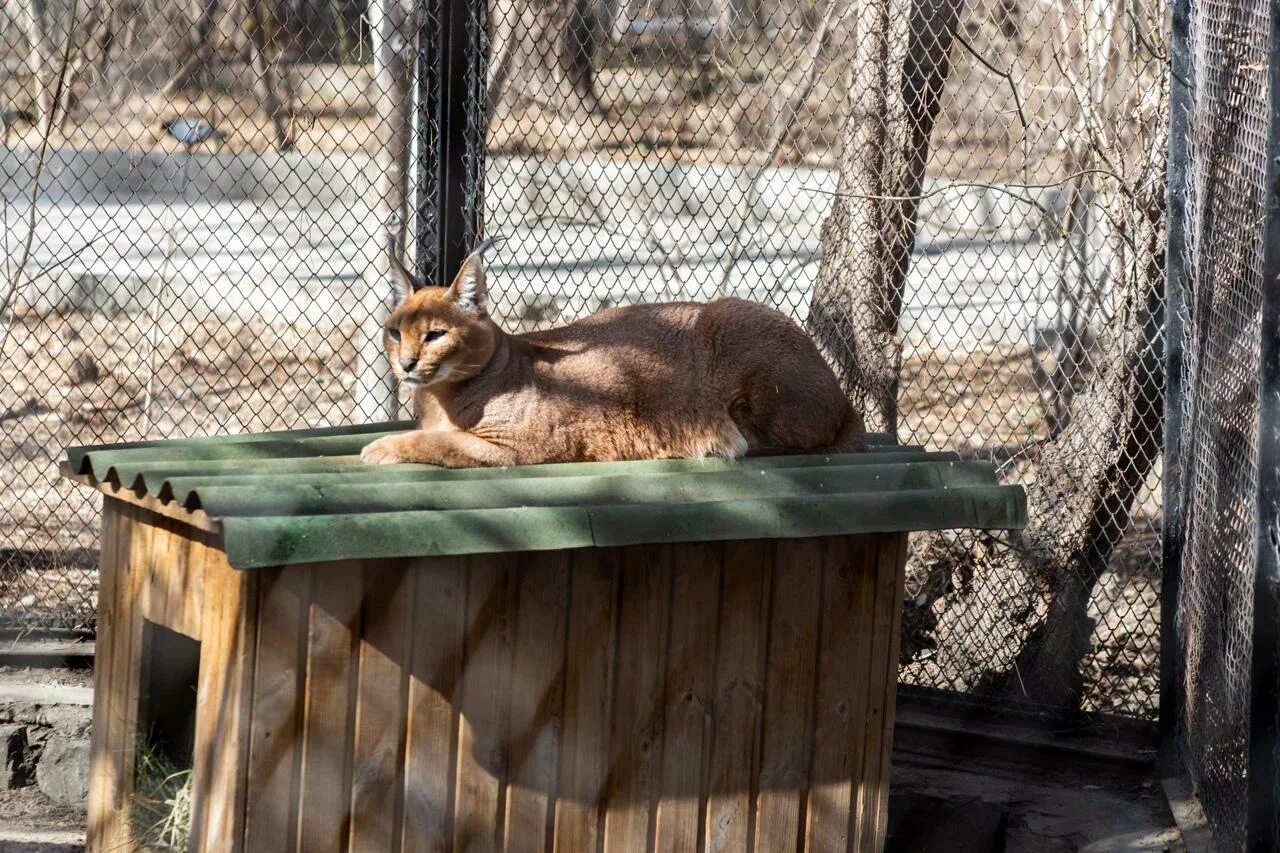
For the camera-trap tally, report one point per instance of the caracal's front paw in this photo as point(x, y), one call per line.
point(387, 450)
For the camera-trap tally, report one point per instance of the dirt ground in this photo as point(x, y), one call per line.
point(29, 808)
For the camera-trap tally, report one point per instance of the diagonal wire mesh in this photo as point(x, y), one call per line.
point(1220, 317)
point(632, 150)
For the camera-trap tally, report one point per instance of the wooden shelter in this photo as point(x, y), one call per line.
point(657, 655)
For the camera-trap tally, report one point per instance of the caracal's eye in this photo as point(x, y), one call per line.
point(394, 334)
point(434, 335)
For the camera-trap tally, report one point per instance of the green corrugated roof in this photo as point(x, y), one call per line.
point(304, 496)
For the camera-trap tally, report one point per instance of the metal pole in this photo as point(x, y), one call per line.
point(1263, 831)
point(1175, 308)
point(452, 121)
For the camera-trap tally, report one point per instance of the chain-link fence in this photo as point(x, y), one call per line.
point(1222, 331)
point(953, 198)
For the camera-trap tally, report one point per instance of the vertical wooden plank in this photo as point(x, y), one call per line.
point(636, 737)
point(537, 699)
point(789, 684)
point(842, 676)
point(182, 604)
point(377, 780)
point(209, 701)
point(589, 673)
point(276, 726)
point(686, 741)
point(866, 565)
point(881, 681)
point(740, 650)
point(140, 573)
point(158, 576)
point(104, 779)
point(329, 708)
point(436, 658)
point(227, 650)
point(482, 759)
point(893, 559)
point(151, 606)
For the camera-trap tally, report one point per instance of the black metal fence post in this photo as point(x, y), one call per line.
point(1263, 833)
point(1175, 296)
point(452, 120)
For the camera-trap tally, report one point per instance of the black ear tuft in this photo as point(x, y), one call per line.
point(488, 243)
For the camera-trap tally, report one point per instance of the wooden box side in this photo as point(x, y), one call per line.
point(734, 696)
point(160, 570)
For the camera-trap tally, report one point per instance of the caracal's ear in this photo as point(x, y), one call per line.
point(405, 283)
point(468, 289)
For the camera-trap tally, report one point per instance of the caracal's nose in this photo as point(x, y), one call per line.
point(408, 364)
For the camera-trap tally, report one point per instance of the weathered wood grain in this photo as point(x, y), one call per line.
point(536, 715)
point(881, 674)
point(589, 673)
point(104, 776)
point(735, 754)
point(789, 682)
point(893, 557)
point(482, 703)
point(435, 671)
point(840, 695)
point(691, 657)
point(275, 754)
point(223, 694)
point(685, 697)
point(635, 759)
point(329, 711)
point(377, 770)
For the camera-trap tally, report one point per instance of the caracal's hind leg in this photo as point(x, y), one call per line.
point(451, 449)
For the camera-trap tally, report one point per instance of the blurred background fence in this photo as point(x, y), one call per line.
point(962, 202)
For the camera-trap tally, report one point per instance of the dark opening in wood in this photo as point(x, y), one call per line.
point(167, 694)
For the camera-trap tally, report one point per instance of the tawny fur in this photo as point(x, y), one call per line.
point(674, 380)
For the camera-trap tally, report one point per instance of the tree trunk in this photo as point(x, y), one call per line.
point(204, 27)
point(543, 54)
point(999, 632)
point(707, 23)
point(31, 19)
point(1088, 477)
point(509, 24)
point(265, 80)
point(393, 26)
point(1018, 619)
point(898, 71)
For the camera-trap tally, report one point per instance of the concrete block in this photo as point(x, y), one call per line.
point(63, 771)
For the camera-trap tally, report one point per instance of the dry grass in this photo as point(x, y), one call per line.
point(160, 808)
